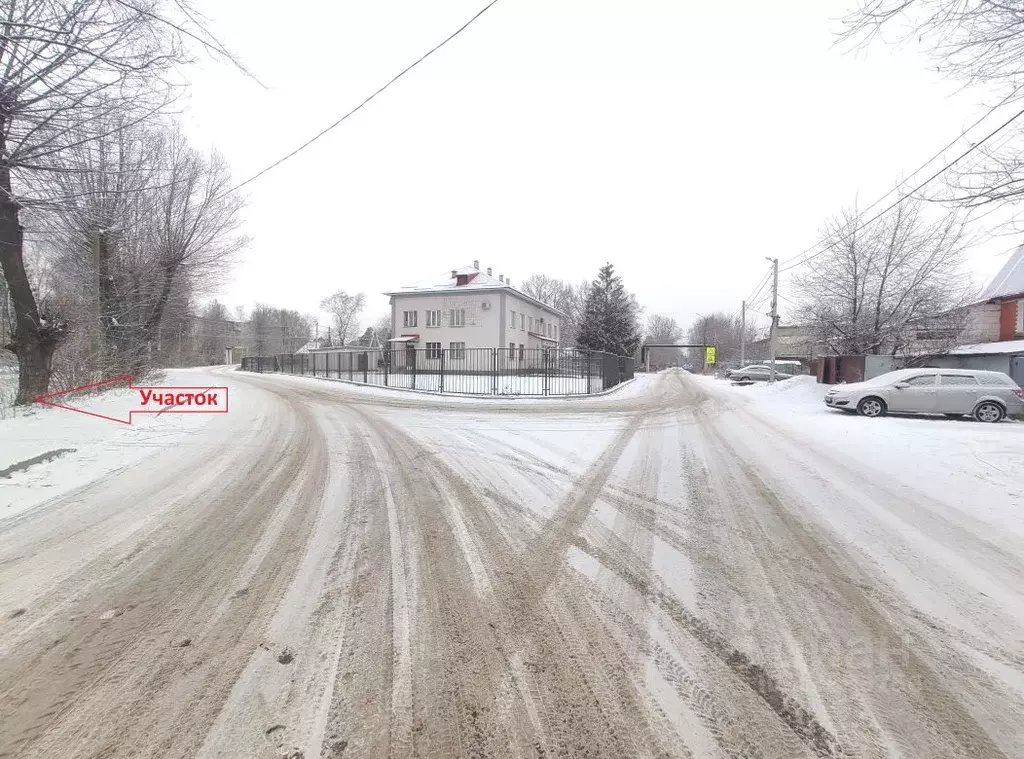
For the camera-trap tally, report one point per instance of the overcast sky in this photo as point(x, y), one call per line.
point(681, 142)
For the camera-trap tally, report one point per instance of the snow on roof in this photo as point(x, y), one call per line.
point(1010, 279)
point(980, 349)
point(478, 280)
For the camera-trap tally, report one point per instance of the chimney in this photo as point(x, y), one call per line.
point(476, 265)
point(453, 273)
point(508, 281)
point(489, 272)
point(501, 277)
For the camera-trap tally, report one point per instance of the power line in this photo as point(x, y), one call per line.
point(359, 107)
point(757, 289)
point(919, 169)
point(902, 198)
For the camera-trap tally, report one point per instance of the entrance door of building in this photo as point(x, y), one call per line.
point(1017, 369)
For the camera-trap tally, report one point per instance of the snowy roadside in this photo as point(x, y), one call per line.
point(978, 468)
point(45, 452)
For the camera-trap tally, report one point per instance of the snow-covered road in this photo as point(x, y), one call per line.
point(679, 568)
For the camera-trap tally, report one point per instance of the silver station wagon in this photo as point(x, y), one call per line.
point(986, 396)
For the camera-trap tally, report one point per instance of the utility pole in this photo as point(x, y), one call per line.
point(743, 334)
point(774, 315)
point(99, 262)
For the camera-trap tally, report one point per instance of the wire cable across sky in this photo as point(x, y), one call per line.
point(359, 107)
point(802, 258)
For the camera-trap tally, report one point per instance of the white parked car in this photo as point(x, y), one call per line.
point(987, 396)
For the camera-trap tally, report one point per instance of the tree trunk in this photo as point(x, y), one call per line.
point(33, 343)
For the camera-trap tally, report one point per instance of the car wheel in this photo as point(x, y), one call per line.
point(871, 407)
point(744, 379)
point(989, 412)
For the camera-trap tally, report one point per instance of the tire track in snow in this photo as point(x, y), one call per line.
point(544, 628)
point(821, 592)
point(117, 678)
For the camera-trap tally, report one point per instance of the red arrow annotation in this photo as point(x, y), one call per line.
point(152, 400)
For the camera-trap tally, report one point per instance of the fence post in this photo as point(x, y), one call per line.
point(441, 376)
point(589, 370)
point(386, 356)
point(494, 371)
point(413, 366)
point(366, 369)
point(546, 383)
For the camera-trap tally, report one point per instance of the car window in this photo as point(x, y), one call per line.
point(921, 380)
point(960, 380)
point(998, 379)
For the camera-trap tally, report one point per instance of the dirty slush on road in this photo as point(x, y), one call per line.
point(358, 576)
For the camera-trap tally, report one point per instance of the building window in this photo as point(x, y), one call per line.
point(512, 323)
point(433, 318)
point(456, 351)
point(433, 350)
point(556, 330)
point(531, 324)
point(457, 317)
point(522, 321)
point(522, 351)
point(409, 319)
point(1020, 317)
point(511, 351)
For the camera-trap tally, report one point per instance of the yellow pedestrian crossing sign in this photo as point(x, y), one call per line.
point(710, 354)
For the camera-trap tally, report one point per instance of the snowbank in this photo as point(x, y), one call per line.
point(976, 467)
point(45, 451)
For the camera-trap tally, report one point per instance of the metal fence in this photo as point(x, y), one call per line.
point(475, 371)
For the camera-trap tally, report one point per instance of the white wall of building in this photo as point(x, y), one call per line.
point(488, 317)
point(482, 318)
point(525, 310)
point(982, 323)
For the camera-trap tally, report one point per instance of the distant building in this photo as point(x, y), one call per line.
point(797, 342)
point(1000, 311)
point(996, 323)
point(316, 344)
point(470, 309)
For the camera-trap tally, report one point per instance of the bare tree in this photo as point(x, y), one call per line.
point(977, 41)
point(68, 66)
point(567, 298)
point(273, 330)
point(663, 329)
point(144, 225)
point(382, 328)
point(974, 41)
point(722, 330)
point(873, 282)
point(544, 288)
point(216, 332)
point(345, 309)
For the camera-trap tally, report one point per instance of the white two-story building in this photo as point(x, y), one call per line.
point(471, 309)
